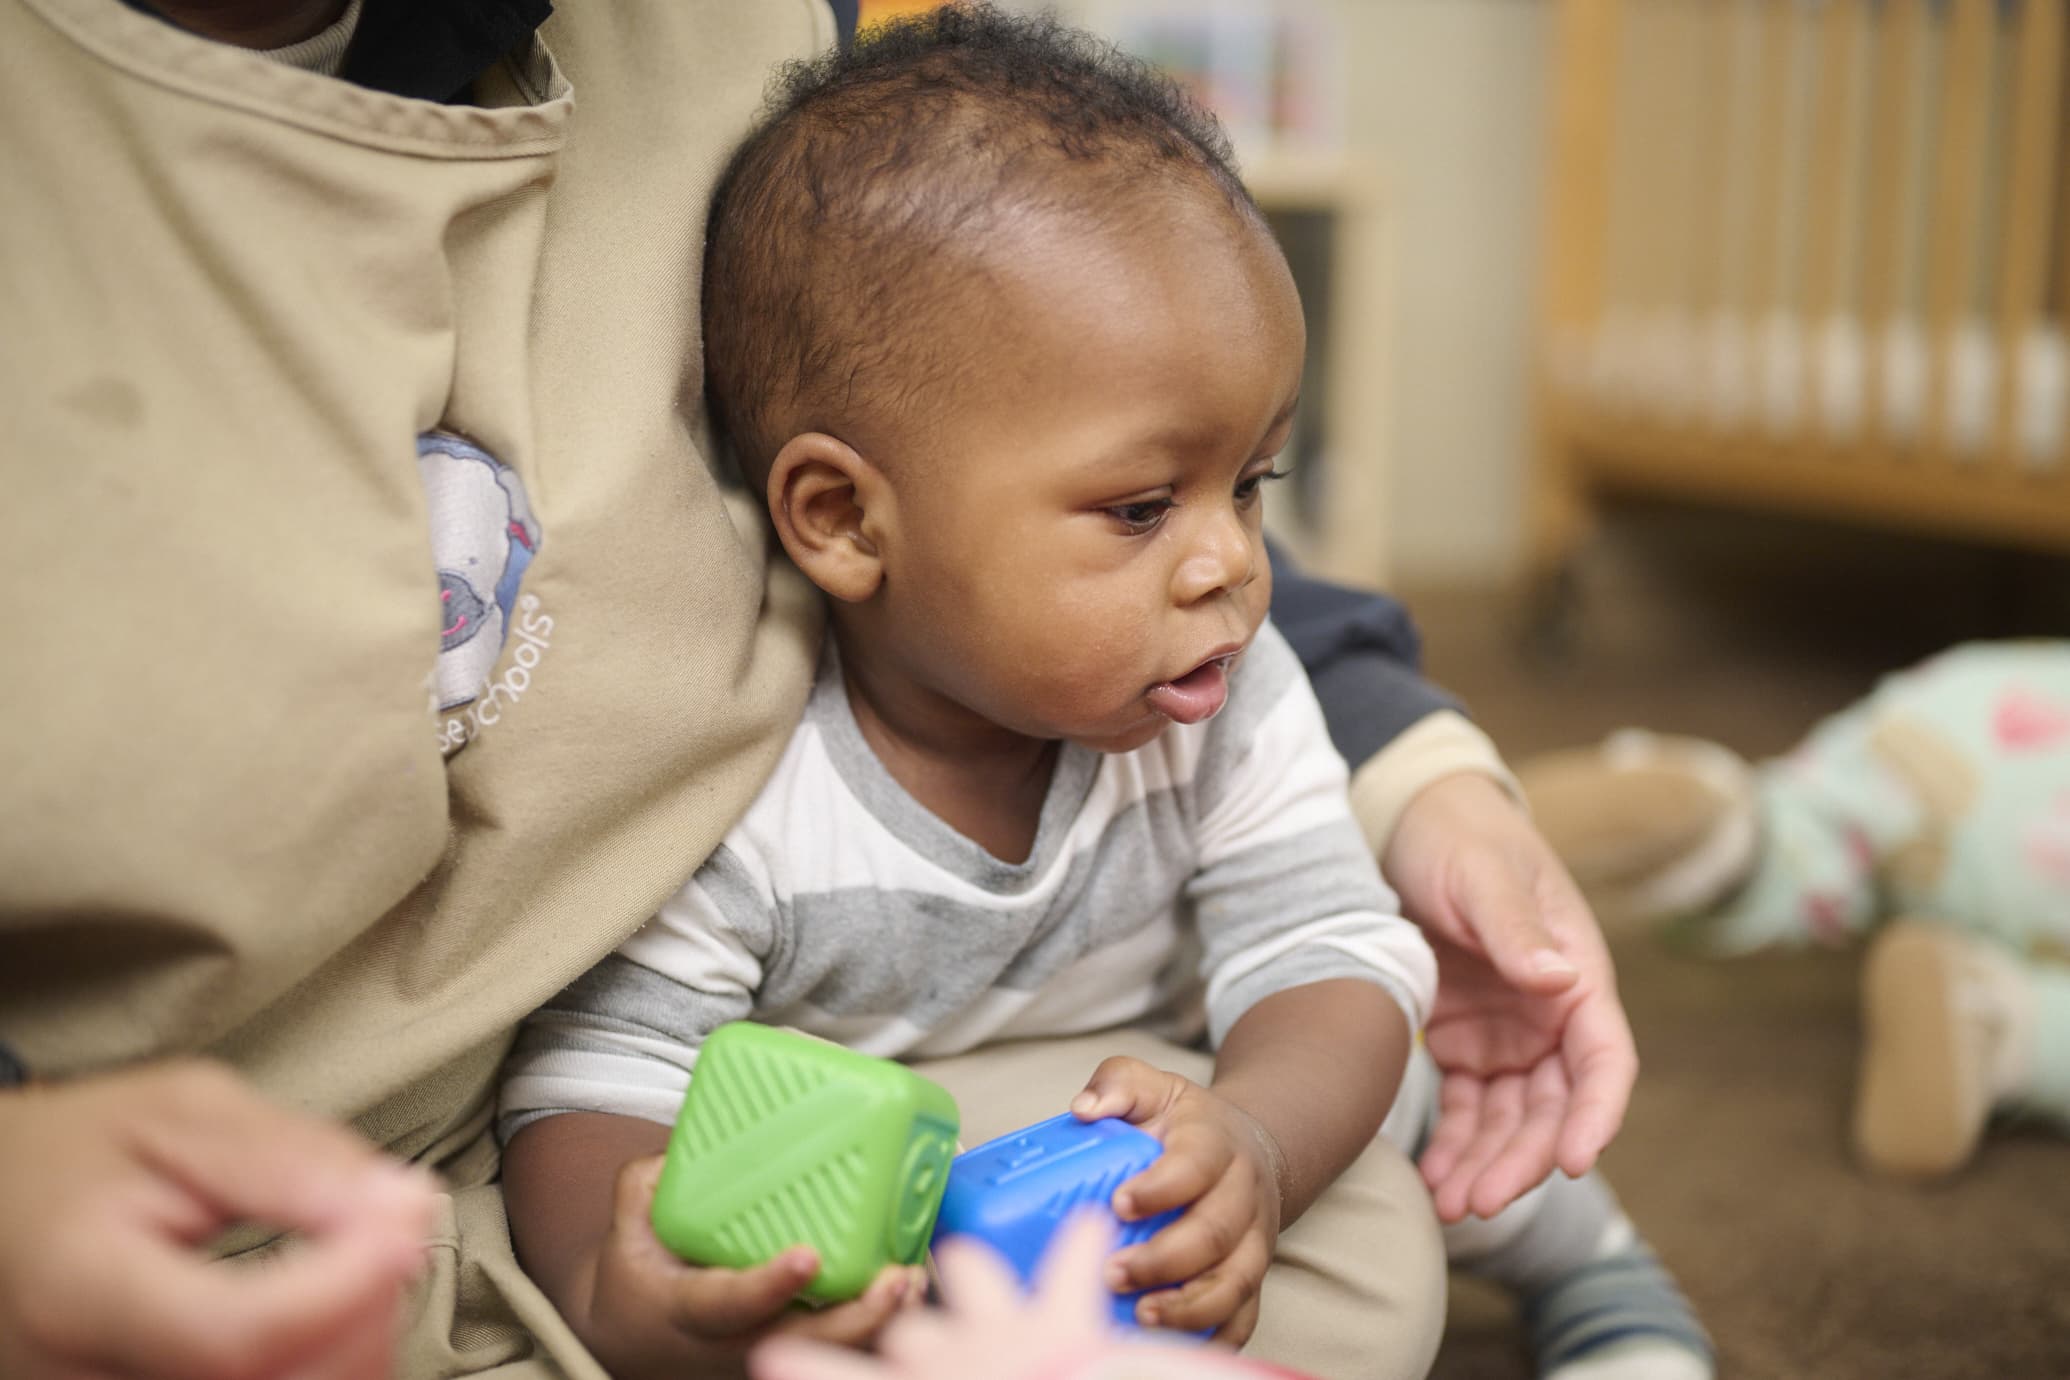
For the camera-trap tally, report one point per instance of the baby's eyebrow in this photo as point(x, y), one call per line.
point(1178, 440)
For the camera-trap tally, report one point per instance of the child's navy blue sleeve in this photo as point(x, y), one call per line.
point(1362, 654)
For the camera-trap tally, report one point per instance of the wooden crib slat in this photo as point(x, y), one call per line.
point(1659, 155)
point(1830, 150)
point(1958, 159)
point(1628, 216)
point(1573, 282)
point(1713, 37)
point(1827, 249)
point(2031, 172)
point(2059, 299)
point(1950, 107)
point(1771, 158)
point(1588, 47)
point(1900, 37)
point(1684, 177)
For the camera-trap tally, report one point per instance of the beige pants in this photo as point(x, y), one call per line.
point(1357, 1289)
point(1356, 1292)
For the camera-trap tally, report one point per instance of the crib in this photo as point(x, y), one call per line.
point(1808, 256)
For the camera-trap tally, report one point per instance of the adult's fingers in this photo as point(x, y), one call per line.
point(1458, 1122)
point(248, 1159)
point(187, 1317)
point(799, 1358)
point(1501, 907)
point(1501, 1111)
point(1070, 1288)
point(1602, 1065)
point(1526, 1157)
point(364, 1347)
point(975, 1281)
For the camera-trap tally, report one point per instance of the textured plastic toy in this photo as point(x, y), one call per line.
point(784, 1139)
point(1014, 1192)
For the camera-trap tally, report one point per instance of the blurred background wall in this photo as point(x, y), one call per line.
point(1448, 107)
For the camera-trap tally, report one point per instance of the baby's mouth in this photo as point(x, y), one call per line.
point(1196, 696)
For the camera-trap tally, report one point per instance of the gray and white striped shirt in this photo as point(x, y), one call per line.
point(1217, 865)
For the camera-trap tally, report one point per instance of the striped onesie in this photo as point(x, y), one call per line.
point(1170, 887)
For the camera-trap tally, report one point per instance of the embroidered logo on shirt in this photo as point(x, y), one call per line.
point(483, 537)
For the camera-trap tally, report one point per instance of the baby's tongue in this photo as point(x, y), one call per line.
point(1196, 696)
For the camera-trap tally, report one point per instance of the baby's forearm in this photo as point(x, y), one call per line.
point(1317, 1067)
point(560, 1177)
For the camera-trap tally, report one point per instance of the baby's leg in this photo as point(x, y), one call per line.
point(1596, 1302)
point(1830, 813)
point(1956, 1026)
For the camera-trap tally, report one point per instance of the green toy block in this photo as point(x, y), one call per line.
point(784, 1139)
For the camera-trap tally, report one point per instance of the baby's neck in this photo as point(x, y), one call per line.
point(981, 780)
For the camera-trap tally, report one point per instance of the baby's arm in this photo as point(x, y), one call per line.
point(579, 1188)
point(589, 1093)
point(1317, 1066)
point(1314, 985)
point(1301, 1085)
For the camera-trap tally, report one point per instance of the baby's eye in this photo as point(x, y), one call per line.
point(1141, 516)
point(1247, 488)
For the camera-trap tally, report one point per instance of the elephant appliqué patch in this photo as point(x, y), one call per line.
point(483, 536)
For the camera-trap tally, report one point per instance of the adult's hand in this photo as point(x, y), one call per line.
point(110, 1188)
point(1527, 1031)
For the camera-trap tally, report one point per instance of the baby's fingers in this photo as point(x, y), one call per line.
point(1194, 1161)
point(1239, 1328)
point(1208, 1234)
point(858, 1321)
point(1213, 1300)
point(727, 1303)
point(1129, 1089)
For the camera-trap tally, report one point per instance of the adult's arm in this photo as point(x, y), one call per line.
point(1532, 1043)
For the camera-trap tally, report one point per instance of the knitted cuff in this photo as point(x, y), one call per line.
point(1438, 745)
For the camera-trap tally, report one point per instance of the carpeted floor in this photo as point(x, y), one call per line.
point(1733, 1159)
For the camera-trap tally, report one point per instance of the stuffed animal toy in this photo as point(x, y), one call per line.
point(1931, 819)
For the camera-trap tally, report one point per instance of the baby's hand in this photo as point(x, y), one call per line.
point(649, 1313)
point(1221, 1166)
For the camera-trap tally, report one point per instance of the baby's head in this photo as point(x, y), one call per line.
point(996, 329)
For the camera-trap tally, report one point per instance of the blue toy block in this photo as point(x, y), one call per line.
point(1013, 1193)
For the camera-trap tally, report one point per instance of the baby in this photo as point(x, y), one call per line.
point(1008, 350)
point(1932, 819)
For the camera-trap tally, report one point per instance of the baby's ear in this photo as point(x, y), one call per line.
point(820, 491)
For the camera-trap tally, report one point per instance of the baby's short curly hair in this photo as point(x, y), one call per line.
point(830, 288)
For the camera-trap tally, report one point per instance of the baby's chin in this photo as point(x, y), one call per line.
point(1141, 734)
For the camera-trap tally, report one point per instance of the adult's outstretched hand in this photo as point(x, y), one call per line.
point(1527, 1030)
